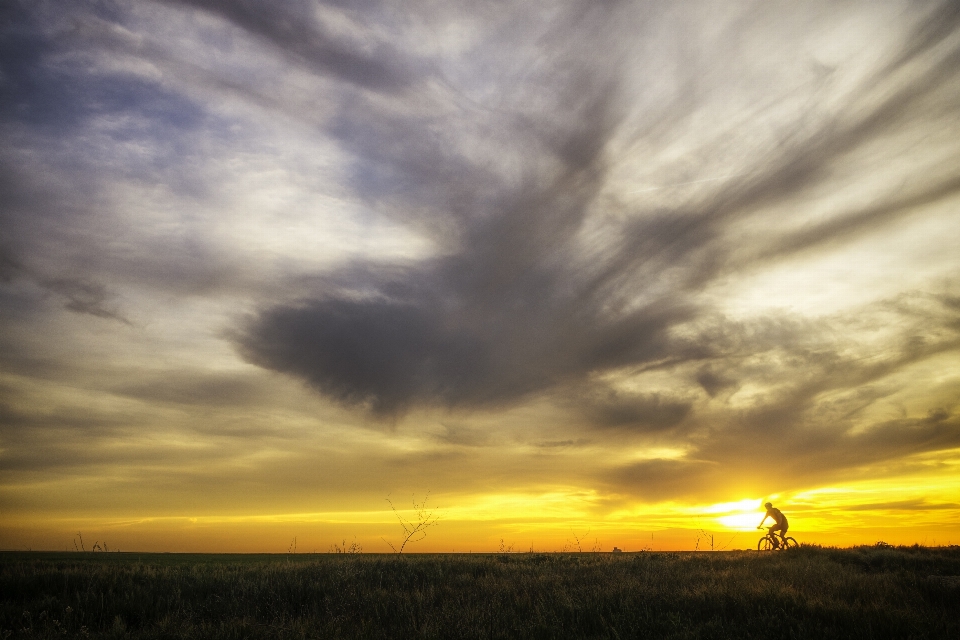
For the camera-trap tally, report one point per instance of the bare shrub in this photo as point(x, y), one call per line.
point(414, 529)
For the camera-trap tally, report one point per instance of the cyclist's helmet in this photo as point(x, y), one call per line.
point(768, 505)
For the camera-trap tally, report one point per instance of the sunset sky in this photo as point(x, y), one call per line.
point(610, 271)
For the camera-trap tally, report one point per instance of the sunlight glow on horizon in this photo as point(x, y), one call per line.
point(830, 514)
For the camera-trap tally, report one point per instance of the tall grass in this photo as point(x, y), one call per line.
point(804, 593)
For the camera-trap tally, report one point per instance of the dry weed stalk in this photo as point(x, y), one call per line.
point(416, 529)
point(353, 547)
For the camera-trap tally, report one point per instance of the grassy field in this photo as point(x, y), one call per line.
point(803, 593)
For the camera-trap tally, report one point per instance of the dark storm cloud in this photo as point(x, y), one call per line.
point(502, 316)
point(390, 355)
point(520, 304)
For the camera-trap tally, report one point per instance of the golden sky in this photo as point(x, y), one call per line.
point(579, 274)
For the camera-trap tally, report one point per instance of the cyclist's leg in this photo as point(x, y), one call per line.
point(779, 534)
point(776, 543)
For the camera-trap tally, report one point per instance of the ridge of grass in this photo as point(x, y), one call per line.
point(864, 592)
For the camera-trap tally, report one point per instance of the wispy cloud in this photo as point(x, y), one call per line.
point(553, 229)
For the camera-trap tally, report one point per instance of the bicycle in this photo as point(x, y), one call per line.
point(772, 542)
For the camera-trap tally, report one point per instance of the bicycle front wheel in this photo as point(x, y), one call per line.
point(765, 544)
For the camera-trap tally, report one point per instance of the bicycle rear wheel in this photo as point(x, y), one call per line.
point(765, 544)
point(790, 543)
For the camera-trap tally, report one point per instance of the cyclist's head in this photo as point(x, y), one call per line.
point(768, 505)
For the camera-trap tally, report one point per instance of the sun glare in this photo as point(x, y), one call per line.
point(740, 521)
point(742, 515)
point(748, 504)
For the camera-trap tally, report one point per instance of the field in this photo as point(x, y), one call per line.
point(803, 593)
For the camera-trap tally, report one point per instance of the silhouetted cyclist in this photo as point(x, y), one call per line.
point(780, 523)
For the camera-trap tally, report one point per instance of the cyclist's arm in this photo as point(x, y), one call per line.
point(764, 520)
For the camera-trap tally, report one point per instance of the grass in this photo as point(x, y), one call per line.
point(804, 593)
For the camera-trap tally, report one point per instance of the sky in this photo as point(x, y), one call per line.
point(573, 275)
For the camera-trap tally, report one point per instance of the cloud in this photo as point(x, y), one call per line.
point(207, 390)
point(522, 301)
point(295, 29)
point(755, 462)
point(459, 435)
point(369, 352)
point(713, 382)
point(451, 211)
point(651, 412)
point(662, 479)
point(84, 297)
point(902, 505)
